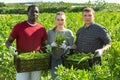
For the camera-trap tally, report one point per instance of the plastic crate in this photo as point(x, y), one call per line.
point(86, 64)
point(76, 64)
point(32, 64)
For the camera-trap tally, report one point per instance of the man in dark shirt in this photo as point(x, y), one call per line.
point(91, 37)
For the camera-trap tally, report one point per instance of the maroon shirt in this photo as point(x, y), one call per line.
point(28, 38)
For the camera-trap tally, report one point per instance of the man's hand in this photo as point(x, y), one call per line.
point(98, 53)
point(13, 50)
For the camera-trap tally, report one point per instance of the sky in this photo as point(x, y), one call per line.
point(74, 1)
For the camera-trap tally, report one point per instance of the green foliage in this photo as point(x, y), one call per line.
point(110, 69)
point(2, 4)
point(49, 7)
point(59, 38)
point(98, 5)
point(33, 55)
point(79, 57)
point(71, 74)
point(114, 60)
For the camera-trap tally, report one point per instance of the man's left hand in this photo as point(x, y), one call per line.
point(98, 53)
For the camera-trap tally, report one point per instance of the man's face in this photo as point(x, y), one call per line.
point(33, 13)
point(88, 17)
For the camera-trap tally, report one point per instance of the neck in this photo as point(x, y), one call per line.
point(87, 25)
point(31, 23)
point(60, 28)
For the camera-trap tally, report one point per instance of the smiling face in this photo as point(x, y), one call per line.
point(33, 13)
point(60, 20)
point(88, 16)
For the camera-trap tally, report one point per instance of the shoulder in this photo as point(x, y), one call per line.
point(80, 29)
point(68, 30)
point(18, 25)
point(98, 26)
point(50, 31)
point(40, 26)
point(22, 23)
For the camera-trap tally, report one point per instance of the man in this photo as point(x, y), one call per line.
point(91, 37)
point(30, 36)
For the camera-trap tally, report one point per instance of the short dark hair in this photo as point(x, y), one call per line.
point(30, 7)
point(88, 10)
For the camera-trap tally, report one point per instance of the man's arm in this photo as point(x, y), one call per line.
point(107, 46)
point(99, 52)
point(9, 42)
point(44, 43)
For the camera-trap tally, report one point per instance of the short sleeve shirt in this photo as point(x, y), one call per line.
point(91, 38)
point(28, 38)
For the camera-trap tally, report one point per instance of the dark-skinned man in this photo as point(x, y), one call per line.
point(29, 36)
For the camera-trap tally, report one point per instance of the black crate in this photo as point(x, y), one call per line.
point(76, 64)
point(86, 64)
point(32, 64)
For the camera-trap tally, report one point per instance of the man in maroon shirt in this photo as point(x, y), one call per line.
point(30, 36)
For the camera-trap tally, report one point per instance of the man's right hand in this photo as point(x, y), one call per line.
point(98, 53)
point(13, 50)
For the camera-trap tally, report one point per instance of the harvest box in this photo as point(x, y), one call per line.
point(25, 65)
point(83, 62)
point(76, 65)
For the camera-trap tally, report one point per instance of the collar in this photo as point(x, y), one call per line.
point(31, 24)
point(89, 25)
